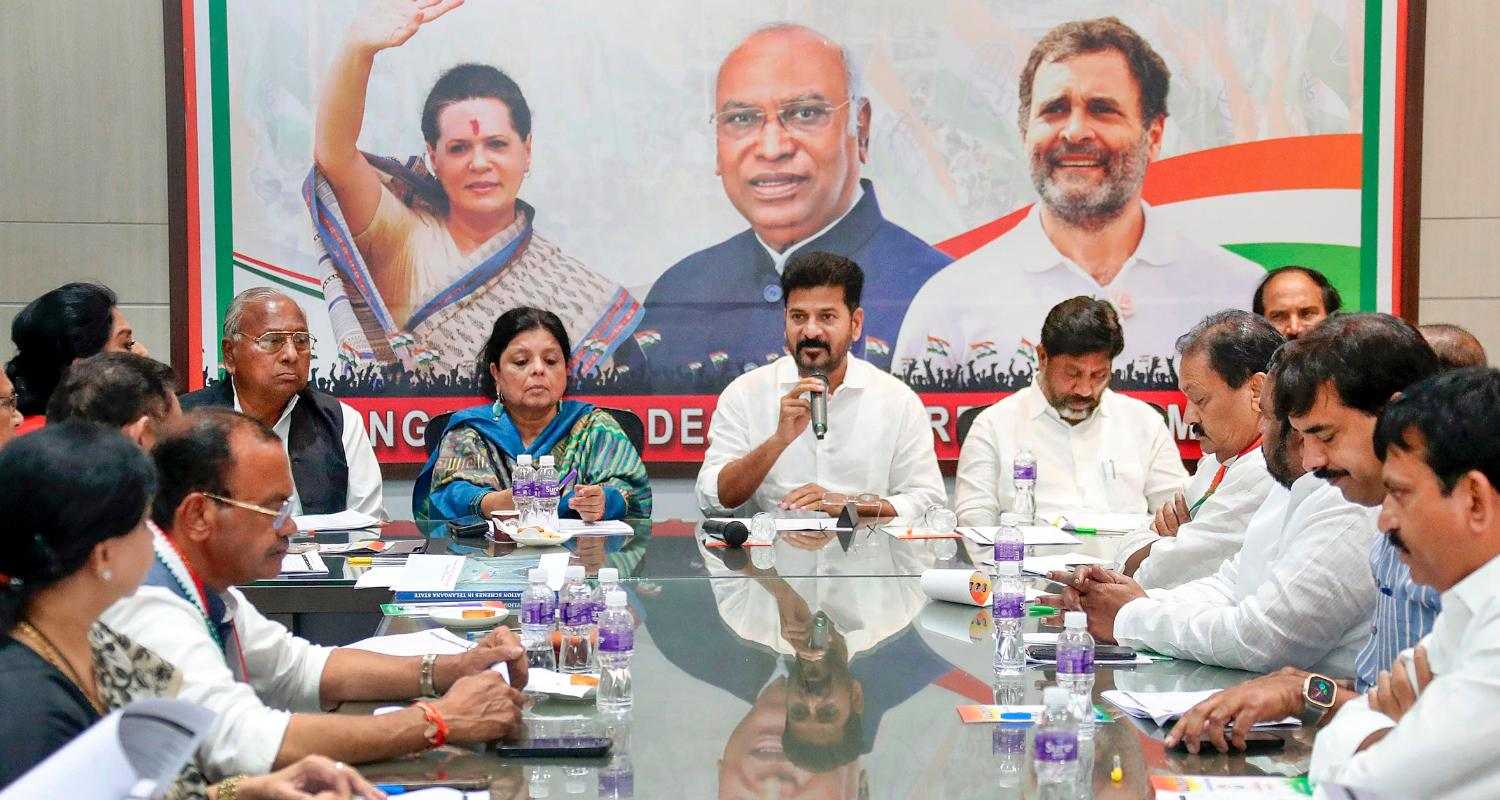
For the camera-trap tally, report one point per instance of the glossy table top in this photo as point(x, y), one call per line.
point(731, 697)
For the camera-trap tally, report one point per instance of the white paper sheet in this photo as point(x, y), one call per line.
point(549, 682)
point(307, 563)
point(1030, 535)
point(1164, 707)
point(604, 527)
point(1045, 564)
point(349, 520)
point(433, 640)
point(379, 577)
point(429, 573)
point(556, 567)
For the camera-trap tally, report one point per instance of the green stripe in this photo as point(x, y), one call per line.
point(1340, 263)
point(271, 276)
point(1369, 218)
point(218, 49)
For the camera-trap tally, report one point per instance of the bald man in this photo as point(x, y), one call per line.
point(1295, 299)
point(1456, 347)
point(792, 128)
point(268, 357)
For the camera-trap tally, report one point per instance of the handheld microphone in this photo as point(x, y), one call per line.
point(820, 406)
point(732, 533)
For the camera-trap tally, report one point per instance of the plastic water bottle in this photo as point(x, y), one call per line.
point(1023, 481)
point(1009, 609)
point(617, 778)
point(1008, 743)
point(1010, 544)
point(1075, 668)
point(609, 580)
point(1056, 740)
point(522, 479)
point(544, 494)
point(577, 605)
point(538, 614)
point(616, 644)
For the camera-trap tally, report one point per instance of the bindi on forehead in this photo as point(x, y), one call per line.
point(474, 125)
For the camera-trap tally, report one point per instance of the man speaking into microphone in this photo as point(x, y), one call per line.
point(763, 452)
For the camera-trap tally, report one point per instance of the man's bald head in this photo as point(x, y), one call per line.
point(1455, 346)
point(781, 38)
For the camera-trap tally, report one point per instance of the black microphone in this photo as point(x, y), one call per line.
point(731, 532)
point(820, 406)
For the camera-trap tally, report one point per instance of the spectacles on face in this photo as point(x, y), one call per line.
point(273, 341)
point(801, 116)
point(8, 401)
point(279, 517)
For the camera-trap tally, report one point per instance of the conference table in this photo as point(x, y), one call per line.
point(736, 696)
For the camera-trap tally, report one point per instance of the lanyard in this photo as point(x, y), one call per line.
point(1213, 485)
point(199, 596)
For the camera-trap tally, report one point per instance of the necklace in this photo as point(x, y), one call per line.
point(49, 652)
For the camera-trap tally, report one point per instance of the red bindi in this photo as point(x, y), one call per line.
point(474, 126)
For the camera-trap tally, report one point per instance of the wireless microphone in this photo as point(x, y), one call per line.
point(820, 406)
point(732, 533)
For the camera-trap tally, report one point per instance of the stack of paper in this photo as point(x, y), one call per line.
point(434, 640)
point(1164, 707)
point(1030, 534)
point(1041, 565)
point(350, 520)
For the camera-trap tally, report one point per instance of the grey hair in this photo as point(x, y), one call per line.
point(853, 76)
point(1238, 344)
point(242, 302)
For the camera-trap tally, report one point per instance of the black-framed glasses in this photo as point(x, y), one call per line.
point(280, 517)
point(273, 341)
point(798, 116)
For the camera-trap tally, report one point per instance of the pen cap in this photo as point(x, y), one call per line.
point(609, 575)
point(1008, 568)
point(523, 459)
point(1075, 620)
point(547, 461)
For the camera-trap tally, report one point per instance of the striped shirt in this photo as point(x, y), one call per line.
point(1404, 612)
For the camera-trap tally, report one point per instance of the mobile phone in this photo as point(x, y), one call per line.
point(1103, 653)
point(570, 747)
point(467, 527)
point(1255, 742)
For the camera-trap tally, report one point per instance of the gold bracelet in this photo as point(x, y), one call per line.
point(229, 788)
point(429, 685)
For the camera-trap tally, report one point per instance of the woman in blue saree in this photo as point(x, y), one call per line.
point(524, 368)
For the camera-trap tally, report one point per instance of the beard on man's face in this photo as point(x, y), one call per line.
point(1092, 207)
point(815, 353)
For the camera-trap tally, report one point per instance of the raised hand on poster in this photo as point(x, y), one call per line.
point(390, 23)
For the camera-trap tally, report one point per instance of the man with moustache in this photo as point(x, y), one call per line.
point(763, 454)
point(792, 127)
point(1304, 549)
point(1093, 105)
point(1427, 729)
point(1096, 450)
point(1295, 299)
point(1332, 386)
point(221, 518)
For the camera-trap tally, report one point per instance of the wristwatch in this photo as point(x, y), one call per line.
point(1318, 693)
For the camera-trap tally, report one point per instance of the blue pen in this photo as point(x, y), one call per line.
point(567, 482)
point(391, 788)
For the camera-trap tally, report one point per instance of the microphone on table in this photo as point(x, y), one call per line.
point(820, 406)
point(731, 532)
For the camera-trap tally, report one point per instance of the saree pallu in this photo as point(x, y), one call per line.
point(479, 449)
point(448, 325)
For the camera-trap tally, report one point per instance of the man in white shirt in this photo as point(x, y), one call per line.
point(1427, 729)
point(1298, 592)
point(1095, 450)
point(222, 515)
point(268, 355)
point(1093, 105)
point(763, 454)
point(1223, 369)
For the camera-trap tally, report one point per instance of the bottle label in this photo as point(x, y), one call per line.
point(1009, 606)
point(1075, 660)
point(1009, 551)
point(1024, 472)
point(578, 612)
point(616, 640)
point(538, 613)
point(1056, 746)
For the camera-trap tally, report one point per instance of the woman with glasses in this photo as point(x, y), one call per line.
point(425, 254)
point(524, 370)
point(74, 497)
point(73, 321)
point(10, 416)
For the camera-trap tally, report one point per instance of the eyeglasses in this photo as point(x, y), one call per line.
point(273, 341)
point(801, 116)
point(8, 402)
point(280, 517)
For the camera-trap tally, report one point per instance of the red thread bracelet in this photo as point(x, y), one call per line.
point(437, 732)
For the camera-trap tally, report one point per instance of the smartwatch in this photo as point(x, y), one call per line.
point(1318, 693)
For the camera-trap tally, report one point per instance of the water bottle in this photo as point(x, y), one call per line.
point(577, 605)
point(544, 494)
point(1009, 598)
point(1008, 743)
point(1075, 668)
point(1010, 544)
point(1023, 481)
point(617, 778)
point(616, 643)
point(538, 613)
point(522, 480)
point(1056, 742)
point(609, 580)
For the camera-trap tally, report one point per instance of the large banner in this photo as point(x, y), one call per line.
point(645, 169)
